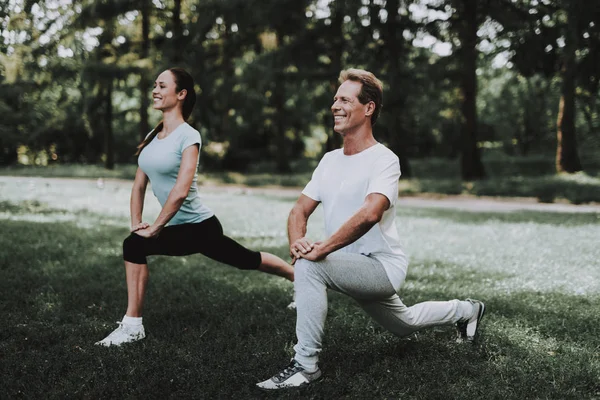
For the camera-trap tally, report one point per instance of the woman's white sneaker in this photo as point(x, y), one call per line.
point(125, 333)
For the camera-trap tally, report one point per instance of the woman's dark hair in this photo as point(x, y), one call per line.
point(183, 81)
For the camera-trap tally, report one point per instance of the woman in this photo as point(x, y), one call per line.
point(168, 158)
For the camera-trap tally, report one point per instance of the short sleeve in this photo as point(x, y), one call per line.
point(189, 138)
point(313, 188)
point(384, 178)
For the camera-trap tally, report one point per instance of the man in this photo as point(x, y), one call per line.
point(361, 257)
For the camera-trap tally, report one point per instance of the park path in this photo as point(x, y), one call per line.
point(457, 202)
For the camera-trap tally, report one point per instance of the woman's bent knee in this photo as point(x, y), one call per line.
point(133, 249)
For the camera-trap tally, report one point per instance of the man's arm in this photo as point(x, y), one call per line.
point(297, 222)
point(360, 223)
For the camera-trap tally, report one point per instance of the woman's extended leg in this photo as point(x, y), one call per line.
point(206, 238)
point(271, 264)
point(214, 244)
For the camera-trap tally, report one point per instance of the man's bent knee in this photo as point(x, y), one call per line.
point(304, 267)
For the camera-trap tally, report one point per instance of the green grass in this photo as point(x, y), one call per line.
point(214, 331)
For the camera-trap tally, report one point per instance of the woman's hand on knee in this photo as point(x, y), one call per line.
point(148, 232)
point(141, 225)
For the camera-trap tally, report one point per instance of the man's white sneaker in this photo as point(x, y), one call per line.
point(467, 330)
point(123, 334)
point(292, 376)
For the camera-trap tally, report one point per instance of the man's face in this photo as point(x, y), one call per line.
point(348, 113)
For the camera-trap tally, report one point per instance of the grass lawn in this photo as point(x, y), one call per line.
point(213, 331)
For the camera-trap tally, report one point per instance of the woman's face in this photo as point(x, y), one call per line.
point(164, 95)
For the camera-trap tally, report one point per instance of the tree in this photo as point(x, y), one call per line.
point(551, 41)
point(396, 51)
point(567, 158)
point(460, 29)
point(465, 22)
point(144, 6)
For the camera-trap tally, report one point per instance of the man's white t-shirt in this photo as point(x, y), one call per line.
point(160, 160)
point(341, 183)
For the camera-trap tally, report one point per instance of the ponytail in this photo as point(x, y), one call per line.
point(149, 138)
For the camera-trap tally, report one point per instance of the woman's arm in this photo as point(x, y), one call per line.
point(136, 202)
point(187, 171)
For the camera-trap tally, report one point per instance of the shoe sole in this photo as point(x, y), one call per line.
point(301, 386)
point(473, 338)
point(112, 344)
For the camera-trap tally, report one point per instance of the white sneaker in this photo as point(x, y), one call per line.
point(467, 330)
point(292, 376)
point(123, 334)
point(292, 305)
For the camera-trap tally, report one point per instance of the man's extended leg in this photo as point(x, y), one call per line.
point(401, 320)
point(364, 279)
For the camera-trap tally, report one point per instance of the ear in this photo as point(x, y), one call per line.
point(181, 95)
point(370, 109)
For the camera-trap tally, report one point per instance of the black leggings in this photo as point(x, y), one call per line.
point(205, 237)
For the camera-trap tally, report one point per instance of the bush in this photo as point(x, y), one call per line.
point(577, 189)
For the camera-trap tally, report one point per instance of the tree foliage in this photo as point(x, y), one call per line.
point(461, 77)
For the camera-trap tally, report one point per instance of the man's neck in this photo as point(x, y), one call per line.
point(358, 141)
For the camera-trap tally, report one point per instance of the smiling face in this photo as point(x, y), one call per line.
point(349, 114)
point(165, 96)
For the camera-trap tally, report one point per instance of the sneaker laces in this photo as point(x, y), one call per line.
point(293, 368)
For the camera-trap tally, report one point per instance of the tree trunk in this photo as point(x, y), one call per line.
point(394, 49)
point(177, 32)
point(226, 91)
point(567, 159)
point(109, 147)
point(282, 158)
point(281, 142)
point(144, 81)
point(471, 165)
point(8, 153)
point(334, 139)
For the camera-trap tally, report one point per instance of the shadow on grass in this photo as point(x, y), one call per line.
point(214, 331)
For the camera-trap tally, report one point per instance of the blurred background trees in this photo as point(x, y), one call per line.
point(464, 79)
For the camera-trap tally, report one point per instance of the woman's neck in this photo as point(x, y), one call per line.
point(171, 120)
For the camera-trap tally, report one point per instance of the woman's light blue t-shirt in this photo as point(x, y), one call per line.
point(160, 160)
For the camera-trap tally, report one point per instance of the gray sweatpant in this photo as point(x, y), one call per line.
point(365, 280)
